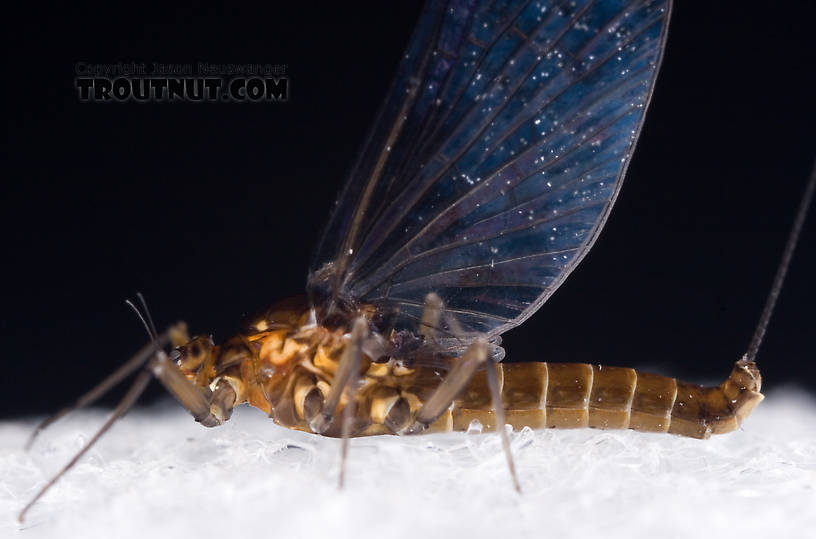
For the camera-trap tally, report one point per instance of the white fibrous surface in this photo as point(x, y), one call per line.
point(159, 474)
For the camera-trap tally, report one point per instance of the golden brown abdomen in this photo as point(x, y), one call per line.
point(536, 395)
point(575, 395)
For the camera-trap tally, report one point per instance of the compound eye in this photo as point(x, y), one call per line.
point(194, 353)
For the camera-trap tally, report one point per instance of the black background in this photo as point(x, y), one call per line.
point(211, 210)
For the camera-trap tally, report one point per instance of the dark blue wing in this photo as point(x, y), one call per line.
point(494, 161)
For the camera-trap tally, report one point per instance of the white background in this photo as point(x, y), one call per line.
point(159, 474)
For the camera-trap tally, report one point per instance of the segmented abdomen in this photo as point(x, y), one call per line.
point(575, 395)
point(536, 395)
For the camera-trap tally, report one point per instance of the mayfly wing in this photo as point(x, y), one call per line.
point(494, 161)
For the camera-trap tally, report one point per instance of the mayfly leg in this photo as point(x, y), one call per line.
point(359, 332)
point(127, 401)
point(433, 314)
point(498, 407)
point(176, 333)
point(196, 399)
point(208, 408)
point(451, 386)
point(474, 358)
point(104, 386)
point(345, 381)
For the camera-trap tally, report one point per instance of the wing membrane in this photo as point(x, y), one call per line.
point(495, 159)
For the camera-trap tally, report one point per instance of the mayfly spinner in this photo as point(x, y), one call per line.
point(487, 176)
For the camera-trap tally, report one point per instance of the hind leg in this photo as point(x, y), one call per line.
point(474, 358)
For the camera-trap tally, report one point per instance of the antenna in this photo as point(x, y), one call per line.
point(147, 312)
point(145, 318)
point(782, 270)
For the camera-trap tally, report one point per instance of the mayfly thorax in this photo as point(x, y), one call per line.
point(487, 176)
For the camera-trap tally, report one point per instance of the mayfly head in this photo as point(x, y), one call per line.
point(194, 356)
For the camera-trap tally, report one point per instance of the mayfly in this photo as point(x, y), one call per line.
point(486, 178)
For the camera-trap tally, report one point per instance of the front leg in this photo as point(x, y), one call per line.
point(210, 408)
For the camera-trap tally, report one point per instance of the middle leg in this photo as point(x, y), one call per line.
point(345, 381)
